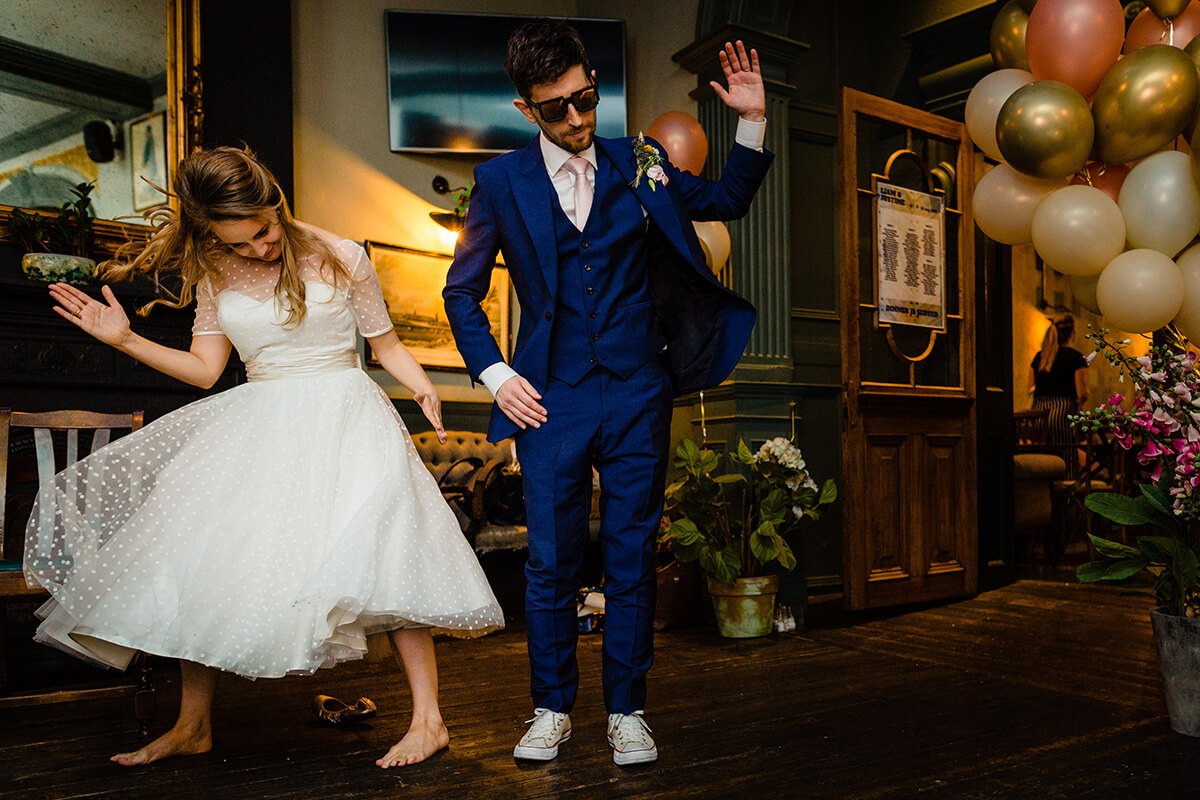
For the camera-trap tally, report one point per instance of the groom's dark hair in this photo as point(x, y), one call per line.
point(542, 50)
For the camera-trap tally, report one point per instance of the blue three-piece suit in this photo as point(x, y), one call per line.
point(616, 320)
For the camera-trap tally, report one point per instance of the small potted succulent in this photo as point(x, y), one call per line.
point(57, 247)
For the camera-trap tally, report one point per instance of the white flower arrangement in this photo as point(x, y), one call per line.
point(783, 452)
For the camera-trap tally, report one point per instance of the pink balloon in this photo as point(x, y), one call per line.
point(1148, 29)
point(680, 133)
point(1074, 41)
point(1105, 177)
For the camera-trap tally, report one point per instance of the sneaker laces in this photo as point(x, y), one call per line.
point(545, 725)
point(624, 732)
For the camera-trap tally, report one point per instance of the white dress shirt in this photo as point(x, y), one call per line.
point(749, 134)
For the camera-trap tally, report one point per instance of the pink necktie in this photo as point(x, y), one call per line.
point(583, 189)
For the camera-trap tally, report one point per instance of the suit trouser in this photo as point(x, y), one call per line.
point(623, 428)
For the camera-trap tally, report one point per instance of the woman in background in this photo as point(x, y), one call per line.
point(1058, 379)
point(268, 529)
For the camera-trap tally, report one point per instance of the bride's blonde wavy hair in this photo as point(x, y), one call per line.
point(220, 185)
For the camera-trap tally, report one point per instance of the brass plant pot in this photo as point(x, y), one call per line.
point(745, 608)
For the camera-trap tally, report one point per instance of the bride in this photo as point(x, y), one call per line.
point(268, 529)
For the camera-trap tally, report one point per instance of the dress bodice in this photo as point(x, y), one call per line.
point(239, 302)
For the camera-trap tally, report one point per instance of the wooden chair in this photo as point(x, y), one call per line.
point(49, 460)
point(1031, 429)
point(1037, 468)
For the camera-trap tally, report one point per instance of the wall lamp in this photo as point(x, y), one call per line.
point(447, 219)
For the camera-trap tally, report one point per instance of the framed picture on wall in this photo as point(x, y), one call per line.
point(148, 159)
point(412, 282)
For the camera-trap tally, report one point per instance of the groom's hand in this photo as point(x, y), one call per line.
point(745, 95)
point(519, 402)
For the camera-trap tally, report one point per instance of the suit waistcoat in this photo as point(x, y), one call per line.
point(603, 312)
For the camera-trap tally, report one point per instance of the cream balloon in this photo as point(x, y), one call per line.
point(714, 241)
point(1077, 230)
point(1188, 318)
point(984, 103)
point(1005, 201)
point(1161, 203)
point(1083, 289)
point(1140, 291)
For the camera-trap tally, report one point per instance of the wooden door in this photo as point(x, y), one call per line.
point(909, 437)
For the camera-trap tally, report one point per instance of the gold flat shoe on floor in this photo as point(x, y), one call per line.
point(334, 711)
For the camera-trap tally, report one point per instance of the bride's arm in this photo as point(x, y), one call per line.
point(401, 365)
point(201, 365)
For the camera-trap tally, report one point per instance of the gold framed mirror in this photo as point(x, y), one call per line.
point(157, 109)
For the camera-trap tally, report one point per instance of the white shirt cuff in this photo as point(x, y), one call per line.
point(751, 134)
point(494, 376)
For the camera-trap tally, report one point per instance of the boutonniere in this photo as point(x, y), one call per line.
point(649, 163)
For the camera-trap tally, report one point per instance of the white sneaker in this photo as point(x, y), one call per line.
point(629, 737)
point(541, 741)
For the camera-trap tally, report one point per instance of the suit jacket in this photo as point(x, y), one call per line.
point(706, 326)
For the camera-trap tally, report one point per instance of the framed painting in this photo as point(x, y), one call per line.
point(412, 282)
point(148, 160)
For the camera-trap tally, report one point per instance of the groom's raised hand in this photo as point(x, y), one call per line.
point(745, 95)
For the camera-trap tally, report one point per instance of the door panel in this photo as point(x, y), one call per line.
point(909, 441)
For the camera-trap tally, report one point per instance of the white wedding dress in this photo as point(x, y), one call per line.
point(267, 529)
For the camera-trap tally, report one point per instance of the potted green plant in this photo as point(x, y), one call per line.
point(734, 525)
point(57, 247)
point(1164, 420)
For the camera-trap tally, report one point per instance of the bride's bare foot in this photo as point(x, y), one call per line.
point(422, 740)
point(179, 741)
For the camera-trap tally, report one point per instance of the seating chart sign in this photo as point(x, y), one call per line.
point(910, 258)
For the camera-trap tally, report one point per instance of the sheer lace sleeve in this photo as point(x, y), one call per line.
point(366, 295)
point(206, 311)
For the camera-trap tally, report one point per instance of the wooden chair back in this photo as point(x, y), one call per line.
point(1031, 428)
point(44, 424)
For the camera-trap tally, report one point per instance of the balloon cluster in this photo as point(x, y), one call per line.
point(687, 148)
point(1088, 120)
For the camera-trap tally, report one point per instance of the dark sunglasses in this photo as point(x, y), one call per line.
point(555, 109)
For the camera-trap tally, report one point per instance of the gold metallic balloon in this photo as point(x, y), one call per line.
point(1144, 102)
point(1007, 39)
point(1193, 50)
point(1045, 130)
point(1167, 9)
point(1027, 5)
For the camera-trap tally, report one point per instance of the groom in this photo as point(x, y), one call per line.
point(619, 314)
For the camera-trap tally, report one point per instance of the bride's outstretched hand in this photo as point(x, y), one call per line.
point(106, 321)
point(431, 407)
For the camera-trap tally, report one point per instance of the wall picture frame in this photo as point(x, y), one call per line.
point(148, 160)
point(412, 282)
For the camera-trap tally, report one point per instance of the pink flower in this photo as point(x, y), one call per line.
point(1165, 422)
point(1090, 357)
point(1116, 399)
point(656, 173)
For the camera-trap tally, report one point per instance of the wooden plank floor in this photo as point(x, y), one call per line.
point(1035, 690)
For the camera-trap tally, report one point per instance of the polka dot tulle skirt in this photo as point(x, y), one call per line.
point(266, 530)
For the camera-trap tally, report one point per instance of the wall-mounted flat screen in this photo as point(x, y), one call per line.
point(448, 90)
